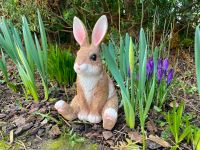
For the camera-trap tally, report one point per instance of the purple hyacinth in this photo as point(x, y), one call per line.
point(149, 67)
point(159, 75)
point(159, 63)
point(170, 76)
point(165, 65)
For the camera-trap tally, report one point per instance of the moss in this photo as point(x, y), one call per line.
point(68, 140)
point(4, 145)
point(63, 144)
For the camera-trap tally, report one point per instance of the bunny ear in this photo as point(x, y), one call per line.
point(80, 32)
point(99, 30)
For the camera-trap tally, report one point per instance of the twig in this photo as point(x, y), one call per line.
point(39, 137)
point(66, 122)
point(22, 144)
point(120, 133)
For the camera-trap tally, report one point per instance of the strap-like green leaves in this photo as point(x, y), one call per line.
point(197, 56)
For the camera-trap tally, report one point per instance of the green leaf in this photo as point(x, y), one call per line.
point(184, 134)
point(131, 56)
point(3, 66)
point(197, 56)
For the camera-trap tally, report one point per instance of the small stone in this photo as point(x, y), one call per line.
point(107, 135)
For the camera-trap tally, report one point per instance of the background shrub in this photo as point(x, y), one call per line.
point(58, 15)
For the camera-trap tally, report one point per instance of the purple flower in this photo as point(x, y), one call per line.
point(170, 76)
point(138, 77)
point(149, 67)
point(159, 75)
point(129, 72)
point(165, 65)
point(159, 63)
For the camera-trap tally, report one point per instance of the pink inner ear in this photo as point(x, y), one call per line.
point(98, 36)
point(79, 36)
point(99, 30)
point(79, 31)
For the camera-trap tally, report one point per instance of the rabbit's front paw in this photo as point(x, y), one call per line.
point(83, 116)
point(61, 106)
point(94, 118)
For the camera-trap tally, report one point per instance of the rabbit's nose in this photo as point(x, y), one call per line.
point(78, 66)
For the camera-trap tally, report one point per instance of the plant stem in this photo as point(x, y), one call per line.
point(143, 139)
point(142, 17)
point(119, 15)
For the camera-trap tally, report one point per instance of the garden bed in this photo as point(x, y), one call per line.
point(28, 125)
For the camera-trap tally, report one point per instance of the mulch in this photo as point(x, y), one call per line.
point(32, 122)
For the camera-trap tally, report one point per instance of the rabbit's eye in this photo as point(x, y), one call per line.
point(93, 57)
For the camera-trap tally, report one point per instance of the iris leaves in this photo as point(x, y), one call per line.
point(131, 76)
point(197, 56)
point(28, 56)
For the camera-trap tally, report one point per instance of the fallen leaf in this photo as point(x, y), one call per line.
point(107, 135)
point(110, 142)
point(152, 145)
point(19, 121)
point(32, 110)
point(18, 131)
point(159, 141)
point(2, 116)
point(90, 134)
point(2, 123)
point(11, 136)
point(171, 104)
point(135, 136)
point(45, 121)
point(151, 126)
point(55, 131)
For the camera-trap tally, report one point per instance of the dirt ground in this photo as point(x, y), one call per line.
point(33, 123)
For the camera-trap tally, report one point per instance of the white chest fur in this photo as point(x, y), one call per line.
point(88, 84)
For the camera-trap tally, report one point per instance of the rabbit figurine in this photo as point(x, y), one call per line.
point(96, 97)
